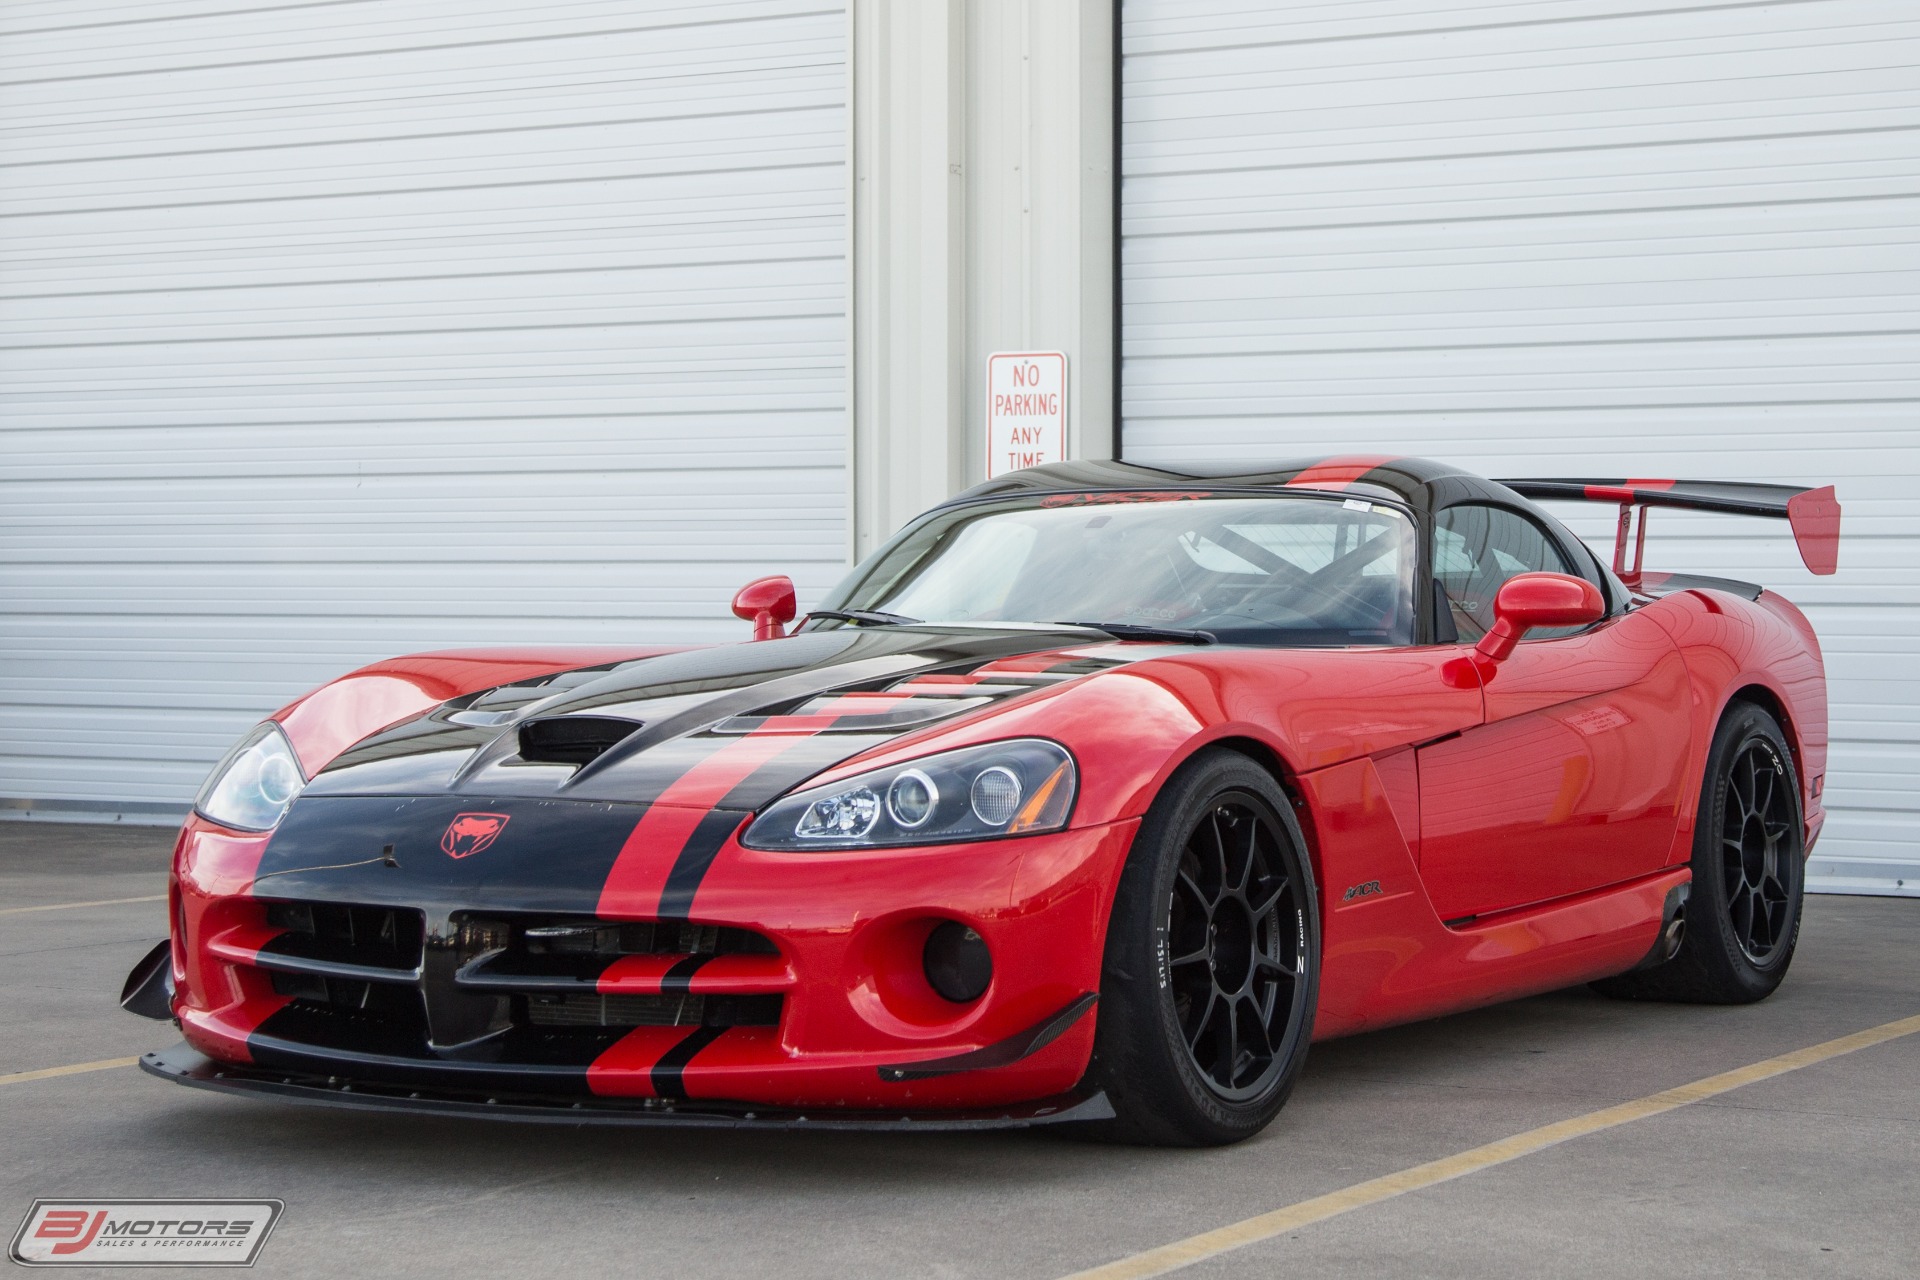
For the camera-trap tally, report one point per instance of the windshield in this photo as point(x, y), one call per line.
point(1301, 570)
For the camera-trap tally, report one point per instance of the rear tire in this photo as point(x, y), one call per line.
point(1211, 971)
point(1749, 874)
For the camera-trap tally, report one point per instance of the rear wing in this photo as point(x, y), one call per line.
point(1813, 514)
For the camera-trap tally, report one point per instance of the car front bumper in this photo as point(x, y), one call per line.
point(858, 1030)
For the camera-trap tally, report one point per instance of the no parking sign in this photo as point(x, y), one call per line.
point(1026, 410)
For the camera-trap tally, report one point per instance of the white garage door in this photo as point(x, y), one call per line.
point(330, 331)
point(1561, 237)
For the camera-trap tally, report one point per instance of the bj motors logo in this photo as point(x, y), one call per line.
point(144, 1233)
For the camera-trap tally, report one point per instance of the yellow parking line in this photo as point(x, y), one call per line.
point(78, 1068)
point(68, 906)
point(1211, 1244)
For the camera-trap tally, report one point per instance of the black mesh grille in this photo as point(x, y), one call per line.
point(367, 1017)
point(581, 946)
point(621, 1012)
point(370, 980)
point(340, 933)
point(615, 1011)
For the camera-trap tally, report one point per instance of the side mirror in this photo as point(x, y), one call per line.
point(769, 604)
point(1530, 600)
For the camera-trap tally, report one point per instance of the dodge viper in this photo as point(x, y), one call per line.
point(1093, 797)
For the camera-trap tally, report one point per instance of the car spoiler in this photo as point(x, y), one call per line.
point(1813, 514)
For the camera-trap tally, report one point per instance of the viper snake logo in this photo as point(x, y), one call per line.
point(469, 833)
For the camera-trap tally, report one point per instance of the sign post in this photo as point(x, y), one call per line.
point(1026, 410)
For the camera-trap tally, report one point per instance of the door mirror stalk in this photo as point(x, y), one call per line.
point(1530, 600)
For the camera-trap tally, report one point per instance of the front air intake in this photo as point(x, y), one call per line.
point(572, 739)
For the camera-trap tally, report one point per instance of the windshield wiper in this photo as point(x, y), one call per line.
point(1134, 631)
point(872, 617)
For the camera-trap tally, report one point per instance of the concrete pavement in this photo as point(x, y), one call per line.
point(1811, 1174)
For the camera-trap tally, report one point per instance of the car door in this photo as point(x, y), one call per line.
point(1573, 781)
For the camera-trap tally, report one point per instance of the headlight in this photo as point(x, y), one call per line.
point(254, 786)
point(976, 793)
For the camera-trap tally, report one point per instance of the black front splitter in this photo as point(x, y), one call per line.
point(185, 1065)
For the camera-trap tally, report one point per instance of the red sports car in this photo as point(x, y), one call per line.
point(1093, 797)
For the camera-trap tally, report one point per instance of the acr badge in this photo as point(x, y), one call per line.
point(469, 833)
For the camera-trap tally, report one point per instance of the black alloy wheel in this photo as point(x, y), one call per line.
point(1756, 838)
point(1210, 977)
point(1742, 916)
point(1236, 928)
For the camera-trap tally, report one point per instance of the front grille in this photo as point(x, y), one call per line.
point(334, 933)
point(615, 1011)
point(546, 1010)
point(346, 993)
point(515, 987)
point(579, 948)
point(363, 1017)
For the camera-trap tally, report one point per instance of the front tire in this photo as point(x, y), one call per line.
point(1749, 874)
point(1211, 969)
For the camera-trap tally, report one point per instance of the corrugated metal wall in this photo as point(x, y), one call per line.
point(1560, 237)
point(331, 331)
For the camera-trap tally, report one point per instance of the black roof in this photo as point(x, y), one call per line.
point(1418, 482)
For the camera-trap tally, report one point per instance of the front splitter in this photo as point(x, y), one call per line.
point(183, 1064)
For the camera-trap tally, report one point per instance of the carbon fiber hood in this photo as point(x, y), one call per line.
point(627, 733)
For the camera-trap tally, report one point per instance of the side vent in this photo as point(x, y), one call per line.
point(571, 739)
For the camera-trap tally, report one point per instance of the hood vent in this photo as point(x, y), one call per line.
point(572, 739)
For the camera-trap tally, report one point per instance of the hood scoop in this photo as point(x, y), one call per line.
point(574, 740)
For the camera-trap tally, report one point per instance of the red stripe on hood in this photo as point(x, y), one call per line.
point(639, 874)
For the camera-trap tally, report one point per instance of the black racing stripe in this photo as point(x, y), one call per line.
point(690, 867)
point(548, 857)
point(638, 776)
point(774, 778)
point(668, 1075)
point(812, 755)
point(679, 978)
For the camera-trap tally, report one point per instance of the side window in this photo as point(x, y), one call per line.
point(1475, 549)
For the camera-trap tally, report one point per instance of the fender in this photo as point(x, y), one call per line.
point(1318, 715)
point(323, 723)
point(1310, 708)
point(1730, 644)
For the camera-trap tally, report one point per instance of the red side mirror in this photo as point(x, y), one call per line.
point(1530, 600)
point(769, 604)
